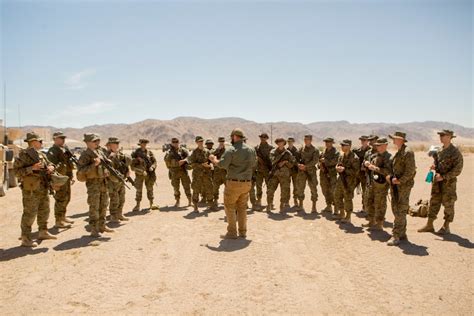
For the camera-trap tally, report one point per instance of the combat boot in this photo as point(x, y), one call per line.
point(114, 219)
point(196, 210)
point(347, 218)
point(95, 232)
point(176, 204)
point(105, 229)
point(336, 215)
point(269, 208)
point(299, 206)
point(313, 208)
point(121, 217)
point(43, 235)
point(190, 201)
point(444, 229)
point(137, 207)
point(27, 242)
point(395, 241)
point(153, 206)
point(215, 206)
point(428, 228)
point(60, 223)
point(67, 220)
point(378, 226)
point(328, 209)
point(296, 202)
point(282, 207)
point(258, 204)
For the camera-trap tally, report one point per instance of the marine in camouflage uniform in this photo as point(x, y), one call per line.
point(202, 174)
point(175, 160)
point(29, 166)
point(282, 161)
point(144, 165)
point(116, 187)
point(61, 156)
point(347, 168)
point(368, 156)
point(361, 178)
point(308, 157)
point(220, 174)
point(294, 171)
point(263, 166)
point(327, 173)
point(92, 170)
point(447, 166)
point(401, 180)
point(379, 168)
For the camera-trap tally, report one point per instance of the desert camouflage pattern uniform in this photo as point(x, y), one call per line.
point(328, 175)
point(263, 154)
point(361, 177)
point(309, 156)
point(116, 188)
point(377, 189)
point(96, 184)
point(450, 163)
point(220, 174)
point(202, 176)
point(178, 173)
point(281, 176)
point(34, 190)
point(142, 173)
point(294, 170)
point(343, 196)
point(56, 154)
point(404, 169)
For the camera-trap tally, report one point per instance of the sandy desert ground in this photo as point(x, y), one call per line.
point(171, 261)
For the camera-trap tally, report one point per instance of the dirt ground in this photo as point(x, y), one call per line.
point(171, 261)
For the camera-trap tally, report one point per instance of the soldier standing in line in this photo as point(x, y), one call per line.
point(379, 167)
point(308, 158)
point(282, 161)
point(177, 164)
point(144, 165)
point(361, 178)
point(327, 173)
point(61, 156)
point(368, 174)
point(202, 174)
point(347, 168)
point(91, 170)
point(401, 182)
point(264, 166)
point(447, 166)
point(116, 188)
point(33, 168)
point(294, 171)
point(219, 175)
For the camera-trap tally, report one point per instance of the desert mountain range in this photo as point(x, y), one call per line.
point(186, 128)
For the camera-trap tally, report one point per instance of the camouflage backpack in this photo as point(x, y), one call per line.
point(420, 209)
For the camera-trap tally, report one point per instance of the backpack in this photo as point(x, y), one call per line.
point(420, 209)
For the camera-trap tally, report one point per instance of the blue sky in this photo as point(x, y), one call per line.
point(78, 63)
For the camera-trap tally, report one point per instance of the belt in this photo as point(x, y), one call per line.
point(235, 180)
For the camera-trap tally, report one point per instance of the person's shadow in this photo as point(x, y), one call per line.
point(463, 242)
point(173, 208)
point(230, 245)
point(412, 249)
point(80, 242)
point(78, 215)
point(379, 235)
point(194, 214)
point(278, 216)
point(18, 252)
point(349, 228)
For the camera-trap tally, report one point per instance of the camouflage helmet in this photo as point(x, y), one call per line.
point(237, 132)
point(91, 137)
point(58, 134)
point(32, 136)
point(209, 141)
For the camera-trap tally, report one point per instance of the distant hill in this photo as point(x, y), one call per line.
point(186, 128)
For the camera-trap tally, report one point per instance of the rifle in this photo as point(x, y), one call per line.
point(33, 154)
point(108, 165)
point(264, 160)
point(275, 166)
point(343, 176)
point(123, 168)
point(70, 156)
point(177, 156)
point(148, 163)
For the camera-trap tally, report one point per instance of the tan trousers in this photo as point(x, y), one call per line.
point(236, 195)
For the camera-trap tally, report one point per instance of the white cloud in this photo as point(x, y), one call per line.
point(79, 114)
point(76, 81)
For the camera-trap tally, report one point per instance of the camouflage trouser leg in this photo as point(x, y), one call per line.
point(202, 184)
point(62, 198)
point(116, 196)
point(380, 200)
point(139, 180)
point(260, 178)
point(400, 210)
point(252, 195)
point(219, 179)
point(293, 180)
point(361, 179)
point(149, 182)
point(35, 206)
point(98, 199)
point(312, 179)
point(183, 177)
point(284, 181)
point(328, 185)
point(443, 193)
point(343, 197)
